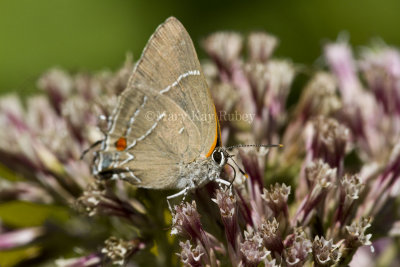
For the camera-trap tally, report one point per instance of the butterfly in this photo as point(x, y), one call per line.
point(164, 132)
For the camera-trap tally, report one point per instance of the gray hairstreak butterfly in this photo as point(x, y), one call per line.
point(142, 144)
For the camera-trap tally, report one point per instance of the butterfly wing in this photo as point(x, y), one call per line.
point(170, 63)
point(165, 118)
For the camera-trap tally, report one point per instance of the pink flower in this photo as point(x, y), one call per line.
point(17, 238)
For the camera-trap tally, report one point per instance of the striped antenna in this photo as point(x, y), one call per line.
point(273, 145)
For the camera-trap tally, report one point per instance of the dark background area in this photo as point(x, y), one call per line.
point(95, 34)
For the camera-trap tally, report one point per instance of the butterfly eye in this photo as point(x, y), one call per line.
point(218, 157)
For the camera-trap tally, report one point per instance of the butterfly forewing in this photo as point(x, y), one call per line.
point(165, 118)
point(169, 65)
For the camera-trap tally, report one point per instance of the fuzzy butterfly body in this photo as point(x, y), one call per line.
point(154, 137)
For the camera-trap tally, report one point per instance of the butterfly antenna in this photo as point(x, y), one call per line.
point(90, 148)
point(272, 145)
point(234, 175)
point(240, 169)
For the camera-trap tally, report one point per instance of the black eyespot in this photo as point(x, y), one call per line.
point(217, 156)
point(107, 174)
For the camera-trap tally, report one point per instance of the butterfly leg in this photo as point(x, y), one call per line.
point(182, 192)
point(222, 182)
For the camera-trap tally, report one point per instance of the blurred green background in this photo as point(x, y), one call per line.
point(96, 34)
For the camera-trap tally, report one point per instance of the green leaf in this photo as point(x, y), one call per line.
point(7, 174)
point(13, 257)
point(25, 214)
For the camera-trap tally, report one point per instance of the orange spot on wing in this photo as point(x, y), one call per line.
point(121, 144)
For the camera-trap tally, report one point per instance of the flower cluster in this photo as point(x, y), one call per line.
point(329, 197)
point(341, 178)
